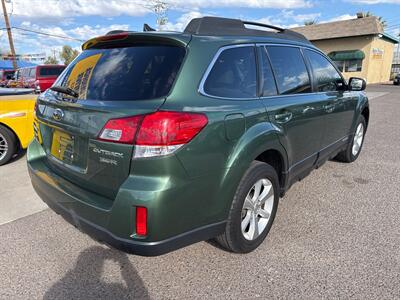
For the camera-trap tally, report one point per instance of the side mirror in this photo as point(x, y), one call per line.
point(357, 84)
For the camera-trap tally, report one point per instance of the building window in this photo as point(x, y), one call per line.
point(354, 65)
point(349, 60)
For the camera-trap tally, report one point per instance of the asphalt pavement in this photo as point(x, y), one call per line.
point(336, 235)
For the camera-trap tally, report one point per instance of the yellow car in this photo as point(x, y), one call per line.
point(16, 124)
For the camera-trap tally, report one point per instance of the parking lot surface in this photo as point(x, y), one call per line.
point(336, 235)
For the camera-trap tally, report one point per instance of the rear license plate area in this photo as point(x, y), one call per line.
point(63, 147)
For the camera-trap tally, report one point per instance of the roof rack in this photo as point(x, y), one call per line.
point(225, 26)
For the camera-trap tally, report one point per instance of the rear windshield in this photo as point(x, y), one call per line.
point(50, 71)
point(119, 74)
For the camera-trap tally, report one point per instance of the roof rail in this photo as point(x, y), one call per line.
point(225, 26)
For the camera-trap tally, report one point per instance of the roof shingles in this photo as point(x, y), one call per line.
point(340, 29)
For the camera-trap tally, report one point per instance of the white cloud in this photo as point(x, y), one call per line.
point(182, 21)
point(29, 42)
point(73, 8)
point(290, 14)
point(375, 1)
point(340, 18)
point(111, 8)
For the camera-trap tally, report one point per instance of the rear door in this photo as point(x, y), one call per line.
point(112, 83)
point(296, 111)
point(339, 104)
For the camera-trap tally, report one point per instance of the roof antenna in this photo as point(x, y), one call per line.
point(146, 27)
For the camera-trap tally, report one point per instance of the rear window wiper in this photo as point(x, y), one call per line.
point(65, 90)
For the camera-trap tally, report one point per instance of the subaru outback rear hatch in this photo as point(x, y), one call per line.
point(115, 78)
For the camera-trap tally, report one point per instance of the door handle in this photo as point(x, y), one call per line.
point(283, 117)
point(329, 107)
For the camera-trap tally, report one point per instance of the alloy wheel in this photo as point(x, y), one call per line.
point(257, 209)
point(3, 146)
point(358, 139)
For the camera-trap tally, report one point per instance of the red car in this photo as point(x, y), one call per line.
point(40, 77)
point(5, 76)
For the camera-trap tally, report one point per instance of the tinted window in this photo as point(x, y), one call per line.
point(233, 74)
point(269, 87)
point(325, 75)
point(290, 70)
point(50, 71)
point(133, 73)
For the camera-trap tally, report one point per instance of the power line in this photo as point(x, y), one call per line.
point(46, 34)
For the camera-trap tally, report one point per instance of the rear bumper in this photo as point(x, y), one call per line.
point(112, 223)
point(130, 246)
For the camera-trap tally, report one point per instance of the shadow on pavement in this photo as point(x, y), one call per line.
point(85, 280)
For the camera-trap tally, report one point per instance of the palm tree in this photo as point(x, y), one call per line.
point(310, 22)
point(380, 19)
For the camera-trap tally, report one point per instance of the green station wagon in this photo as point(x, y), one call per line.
point(152, 141)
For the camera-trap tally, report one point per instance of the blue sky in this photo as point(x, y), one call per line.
point(83, 19)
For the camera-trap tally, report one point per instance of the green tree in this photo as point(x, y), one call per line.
point(68, 54)
point(380, 19)
point(51, 60)
point(310, 22)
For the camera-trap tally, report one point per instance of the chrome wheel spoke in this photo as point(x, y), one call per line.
point(266, 194)
point(253, 230)
point(263, 213)
point(246, 221)
point(248, 203)
point(257, 190)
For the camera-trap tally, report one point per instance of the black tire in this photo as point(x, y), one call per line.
point(347, 155)
point(9, 138)
point(233, 239)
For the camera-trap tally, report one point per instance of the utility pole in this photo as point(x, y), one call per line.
point(10, 39)
point(159, 7)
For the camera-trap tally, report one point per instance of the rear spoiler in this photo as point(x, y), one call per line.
point(128, 38)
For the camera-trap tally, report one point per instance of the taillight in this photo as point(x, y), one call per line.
point(141, 220)
point(159, 133)
point(121, 130)
point(113, 37)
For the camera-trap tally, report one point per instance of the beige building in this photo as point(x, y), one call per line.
point(359, 47)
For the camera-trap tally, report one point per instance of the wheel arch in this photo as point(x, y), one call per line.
point(365, 114)
point(260, 143)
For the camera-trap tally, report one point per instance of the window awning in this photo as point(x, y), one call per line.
point(346, 55)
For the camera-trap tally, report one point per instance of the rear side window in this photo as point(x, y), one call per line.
point(123, 74)
point(326, 76)
point(233, 74)
point(50, 71)
point(290, 70)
